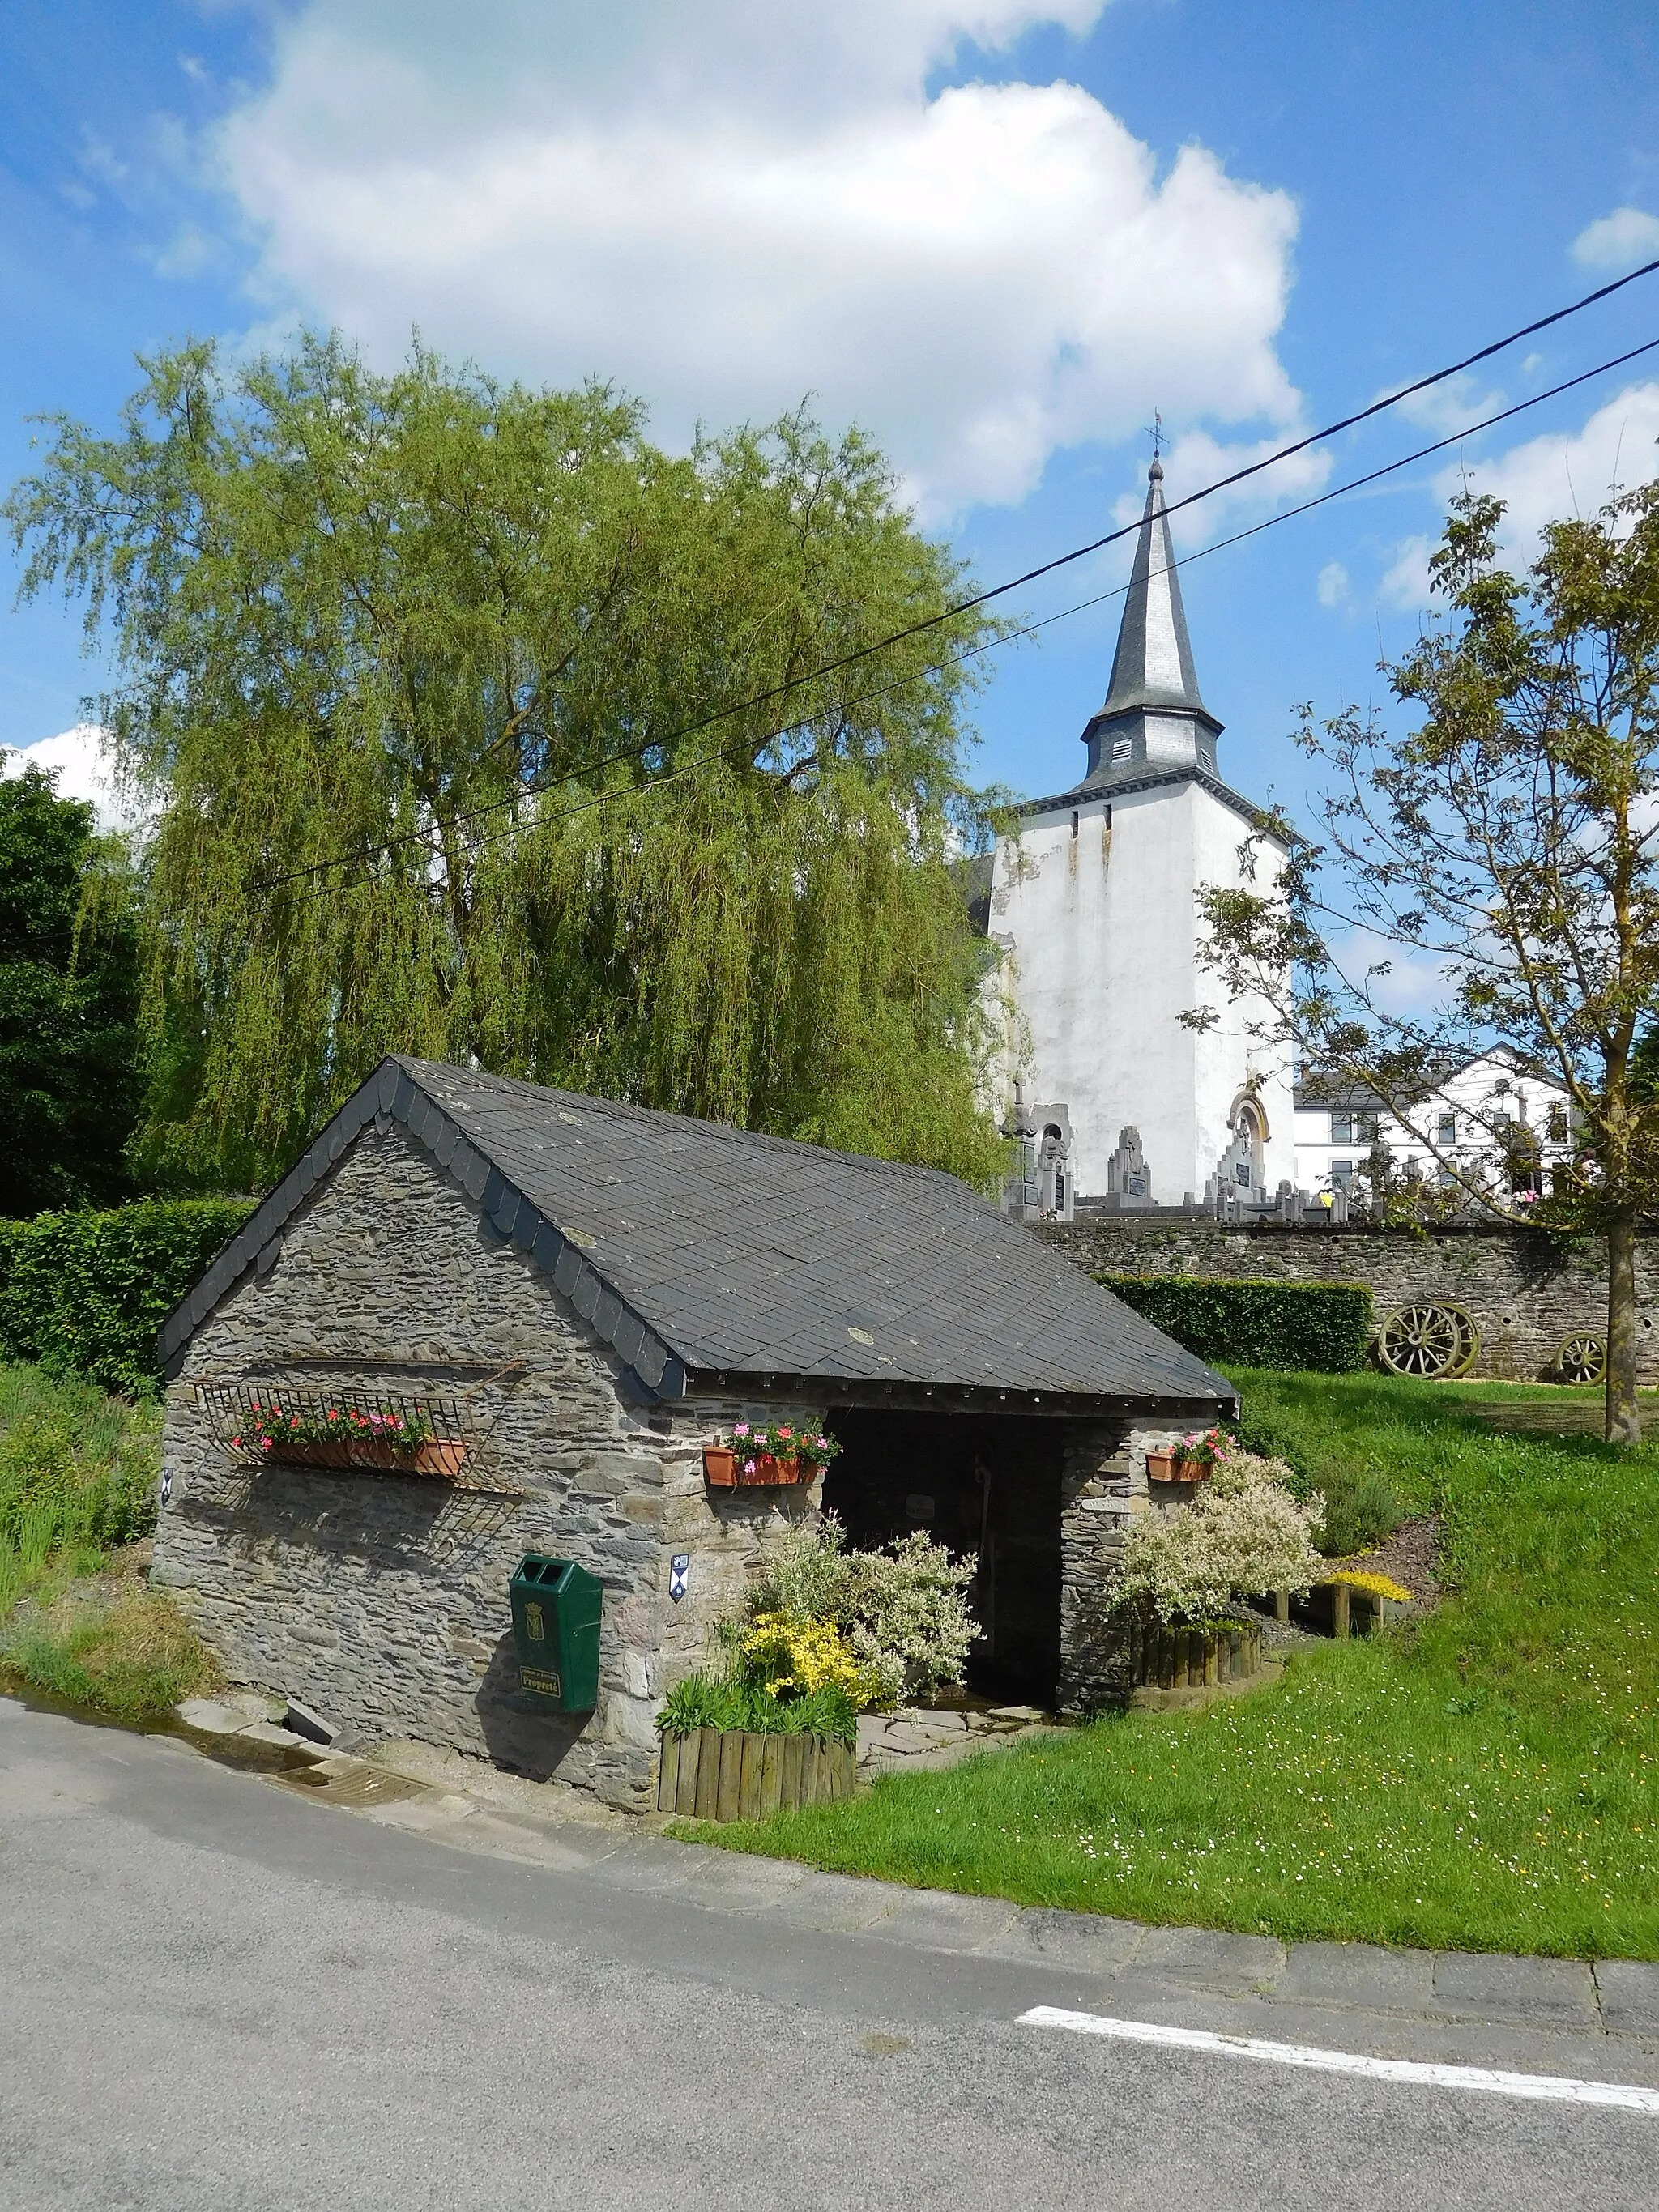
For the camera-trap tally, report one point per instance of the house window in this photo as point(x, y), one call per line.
point(1447, 1179)
point(1447, 1129)
point(1341, 1174)
point(1557, 1124)
point(1349, 1126)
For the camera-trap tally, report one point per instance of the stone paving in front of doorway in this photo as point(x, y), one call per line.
point(921, 1736)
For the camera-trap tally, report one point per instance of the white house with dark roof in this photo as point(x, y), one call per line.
point(1094, 906)
point(1487, 1114)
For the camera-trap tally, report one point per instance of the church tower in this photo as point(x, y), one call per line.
point(1094, 906)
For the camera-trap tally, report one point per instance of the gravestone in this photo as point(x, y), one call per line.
point(1128, 1181)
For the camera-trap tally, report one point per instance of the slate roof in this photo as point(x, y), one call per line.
point(1124, 783)
point(1322, 1091)
point(700, 1251)
point(1153, 664)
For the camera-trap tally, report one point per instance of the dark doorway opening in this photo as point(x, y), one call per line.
point(985, 1483)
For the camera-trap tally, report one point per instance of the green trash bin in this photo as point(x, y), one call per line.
point(556, 1626)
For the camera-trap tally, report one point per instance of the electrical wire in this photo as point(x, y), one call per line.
point(977, 600)
point(848, 704)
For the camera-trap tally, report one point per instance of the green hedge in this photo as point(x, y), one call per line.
point(1319, 1328)
point(87, 1293)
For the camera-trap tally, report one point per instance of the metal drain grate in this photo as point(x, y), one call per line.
point(366, 1786)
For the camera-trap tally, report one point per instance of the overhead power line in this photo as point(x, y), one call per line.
point(847, 704)
point(851, 658)
point(615, 797)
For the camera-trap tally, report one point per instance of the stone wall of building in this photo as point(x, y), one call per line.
point(382, 1599)
point(1102, 1487)
point(1525, 1291)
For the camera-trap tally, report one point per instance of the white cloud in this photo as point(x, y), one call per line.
point(1452, 406)
point(1563, 473)
point(187, 253)
point(1619, 240)
point(726, 207)
point(1196, 460)
point(1332, 585)
point(80, 768)
point(1407, 582)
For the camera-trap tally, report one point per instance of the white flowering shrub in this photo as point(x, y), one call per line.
point(1242, 1535)
point(901, 1609)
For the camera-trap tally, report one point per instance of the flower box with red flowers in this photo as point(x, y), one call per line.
point(757, 1455)
point(346, 1435)
point(1192, 1460)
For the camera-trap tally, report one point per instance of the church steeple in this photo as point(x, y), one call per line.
point(1154, 718)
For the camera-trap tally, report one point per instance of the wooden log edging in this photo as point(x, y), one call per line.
point(1191, 1658)
point(740, 1774)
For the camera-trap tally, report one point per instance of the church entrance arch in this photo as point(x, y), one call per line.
point(1241, 1170)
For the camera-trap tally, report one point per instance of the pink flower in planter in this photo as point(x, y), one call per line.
point(749, 1467)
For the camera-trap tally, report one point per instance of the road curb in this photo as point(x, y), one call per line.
point(1612, 2000)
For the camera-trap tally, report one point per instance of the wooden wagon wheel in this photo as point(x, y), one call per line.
point(1583, 1357)
point(1437, 1342)
point(1471, 1335)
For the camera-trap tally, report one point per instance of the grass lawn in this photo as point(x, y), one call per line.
point(1485, 1779)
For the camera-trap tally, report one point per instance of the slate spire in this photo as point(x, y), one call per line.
point(1154, 716)
point(1153, 664)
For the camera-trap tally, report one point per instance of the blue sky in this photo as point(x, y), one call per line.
point(998, 232)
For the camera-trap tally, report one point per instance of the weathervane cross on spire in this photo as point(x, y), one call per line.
point(1156, 434)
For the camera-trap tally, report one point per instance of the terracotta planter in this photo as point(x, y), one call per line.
point(726, 1470)
point(1172, 1467)
point(441, 1458)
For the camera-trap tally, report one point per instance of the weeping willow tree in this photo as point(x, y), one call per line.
point(437, 688)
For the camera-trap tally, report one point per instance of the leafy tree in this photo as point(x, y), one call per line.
point(1513, 836)
point(439, 684)
point(69, 1085)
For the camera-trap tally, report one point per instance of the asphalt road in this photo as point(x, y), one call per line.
point(215, 1993)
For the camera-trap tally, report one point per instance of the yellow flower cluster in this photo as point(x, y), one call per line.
point(1378, 1585)
point(802, 1656)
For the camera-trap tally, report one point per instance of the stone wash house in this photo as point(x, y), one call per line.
point(579, 1295)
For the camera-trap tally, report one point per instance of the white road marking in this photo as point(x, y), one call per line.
point(1551, 2088)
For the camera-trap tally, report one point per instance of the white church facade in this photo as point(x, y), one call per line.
point(1093, 907)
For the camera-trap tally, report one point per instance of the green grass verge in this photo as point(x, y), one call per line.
point(124, 1650)
point(1486, 1778)
point(78, 1471)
